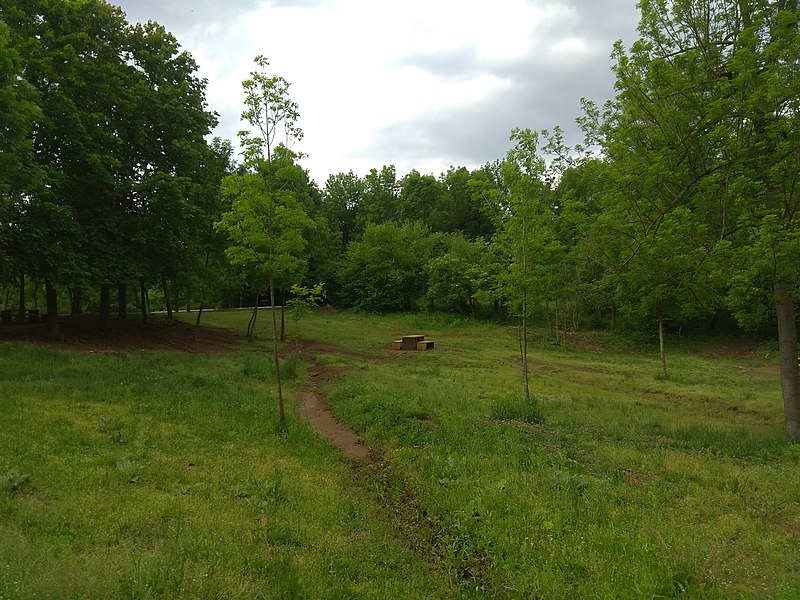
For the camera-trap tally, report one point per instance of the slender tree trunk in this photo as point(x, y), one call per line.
point(251, 326)
point(167, 300)
point(8, 298)
point(661, 347)
point(202, 298)
point(790, 373)
point(281, 414)
point(76, 304)
point(105, 307)
point(197, 321)
point(52, 310)
point(283, 318)
point(122, 300)
point(21, 312)
point(526, 393)
point(143, 296)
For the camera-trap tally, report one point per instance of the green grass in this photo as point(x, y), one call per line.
point(148, 475)
point(162, 475)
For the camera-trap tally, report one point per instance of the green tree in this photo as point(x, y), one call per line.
point(526, 235)
point(266, 223)
point(457, 208)
point(340, 200)
point(710, 94)
point(385, 270)
point(456, 278)
point(378, 203)
point(122, 124)
point(419, 195)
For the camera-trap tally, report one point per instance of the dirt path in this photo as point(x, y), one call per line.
point(314, 405)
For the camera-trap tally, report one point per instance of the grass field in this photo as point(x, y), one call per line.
point(147, 474)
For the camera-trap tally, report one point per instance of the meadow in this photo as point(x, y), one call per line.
point(154, 474)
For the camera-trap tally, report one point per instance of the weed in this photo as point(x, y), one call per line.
point(512, 407)
point(262, 493)
point(13, 481)
point(128, 469)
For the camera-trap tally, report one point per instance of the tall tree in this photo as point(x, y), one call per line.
point(267, 220)
point(379, 201)
point(340, 200)
point(709, 109)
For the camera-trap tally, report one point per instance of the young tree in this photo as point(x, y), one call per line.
point(266, 223)
point(526, 235)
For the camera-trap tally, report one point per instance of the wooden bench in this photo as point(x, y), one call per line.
point(425, 345)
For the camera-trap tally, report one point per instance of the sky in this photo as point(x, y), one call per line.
point(419, 84)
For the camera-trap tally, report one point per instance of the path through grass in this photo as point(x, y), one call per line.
point(151, 474)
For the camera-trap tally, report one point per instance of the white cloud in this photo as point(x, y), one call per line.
point(419, 83)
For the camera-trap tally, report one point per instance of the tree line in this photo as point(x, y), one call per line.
point(679, 209)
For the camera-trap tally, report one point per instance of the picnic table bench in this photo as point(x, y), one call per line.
point(413, 342)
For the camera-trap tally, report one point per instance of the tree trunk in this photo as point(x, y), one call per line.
point(251, 326)
point(523, 347)
point(52, 310)
point(661, 347)
point(790, 373)
point(122, 300)
point(21, 312)
point(143, 298)
point(167, 300)
point(281, 415)
point(76, 304)
point(197, 321)
point(202, 296)
point(283, 318)
point(105, 307)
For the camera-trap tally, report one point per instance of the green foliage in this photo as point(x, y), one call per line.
point(384, 271)
point(115, 202)
point(457, 278)
point(265, 227)
point(304, 301)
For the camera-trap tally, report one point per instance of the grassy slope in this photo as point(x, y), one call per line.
point(162, 475)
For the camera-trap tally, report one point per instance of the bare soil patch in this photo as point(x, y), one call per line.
point(82, 334)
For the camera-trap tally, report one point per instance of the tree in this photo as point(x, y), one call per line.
point(121, 125)
point(457, 277)
point(710, 95)
point(385, 270)
point(340, 199)
point(526, 235)
point(265, 225)
point(419, 195)
point(305, 300)
point(379, 201)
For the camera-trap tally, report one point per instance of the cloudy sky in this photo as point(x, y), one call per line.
point(421, 84)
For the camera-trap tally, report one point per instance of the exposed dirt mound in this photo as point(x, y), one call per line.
point(82, 333)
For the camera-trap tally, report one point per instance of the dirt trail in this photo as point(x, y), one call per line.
point(314, 406)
